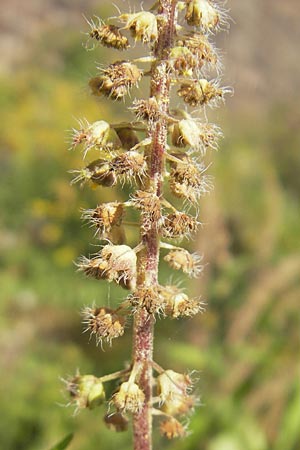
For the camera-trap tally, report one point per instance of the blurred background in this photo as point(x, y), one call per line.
point(246, 346)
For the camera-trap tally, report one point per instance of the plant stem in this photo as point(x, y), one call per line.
point(148, 259)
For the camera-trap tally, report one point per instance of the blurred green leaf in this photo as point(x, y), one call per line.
point(290, 427)
point(64, 443)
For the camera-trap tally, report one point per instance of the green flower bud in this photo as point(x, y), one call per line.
point(143, 25)
point(86, 391)
point(129, 398)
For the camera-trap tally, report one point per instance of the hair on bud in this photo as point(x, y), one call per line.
point(179, 225)
point(86, 391)
point(116, 80)
point(202, 49)
point(181, 259)
point(207, 15)
point(188, 180)
point(99, 172)
point(91, 135)
point(131, 165)
point(202, 92)
point(146, 109)
point(103, 323)
point(147, 297)
point(107, 35)
point(105, 216)
point(178, 304)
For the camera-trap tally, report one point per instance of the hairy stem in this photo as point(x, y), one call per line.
point(149, 258)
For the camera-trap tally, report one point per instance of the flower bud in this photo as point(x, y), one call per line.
point(181, 259)
point(186, 132)
point(199, 136)
point(178, 304)
point(91, 135)
point(130, 164)
point(201, 92)
point(86, 391)
point(171, 428)
point(188, 180)
point(171, 383)
point(121, 264)
point(148, 298)
point(202, 50)
point(116, 80)
point(173, 389)
point(143, 26)
point(98, 172)
point(105, 216)
point(129, 398)
point(116, 422)
point(146, 109)
point(114, 263)
point(128, 137)
point(104, 323)
point(202, 13)
point(178, 225)
point(183, 61)
point(108, 35)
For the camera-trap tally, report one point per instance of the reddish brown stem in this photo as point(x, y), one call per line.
point(149, 258)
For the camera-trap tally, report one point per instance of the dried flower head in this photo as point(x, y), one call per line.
point(143, 26)
point(86, 391)
point(147, 298)
point(129, 398)
point(181, 259)
point(116, 421)
point(178, 304)
point(105, 216)
point(201, 92)
point(98, 172)
point(174, 392)
point(146, 109)
point(91, 135)
point(107, 35)
point(193, 133)
point(188, 180)
point(114, 263)
point(179, 225)
point(170, 384)
point(183, 62)
point(202, 50)
point(171, 428)
point(131, 165)
point(205, 14)
point(116, 80)
point(103, 323)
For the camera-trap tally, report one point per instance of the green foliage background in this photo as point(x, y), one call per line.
point(245, 348)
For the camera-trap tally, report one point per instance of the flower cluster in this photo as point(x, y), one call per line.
point(160, 154)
